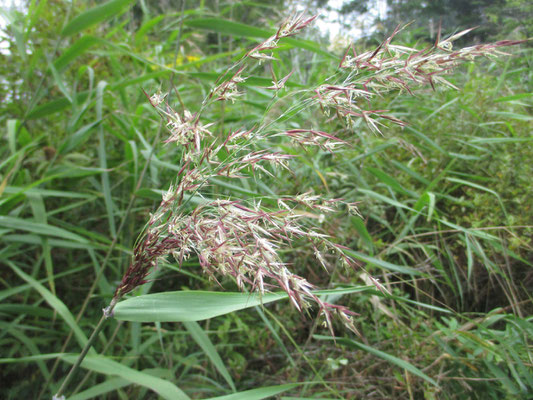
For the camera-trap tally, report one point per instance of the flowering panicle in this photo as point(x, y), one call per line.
point(185, 130)
point(254, 160)
point(309, 137)
point(392, 67)
point(288, 28)
point(228, 90)
point(279, 84)
point(345, 100)
point(242, 240)
point(156, 99)
point(293, 25)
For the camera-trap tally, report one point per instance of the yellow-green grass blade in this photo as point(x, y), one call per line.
point(96, 391)
point(187, 305)
point(102, 156)
point(39, 228)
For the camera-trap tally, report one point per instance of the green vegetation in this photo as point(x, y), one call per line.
point(443, 190)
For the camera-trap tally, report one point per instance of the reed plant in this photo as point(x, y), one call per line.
point(241, 240)
point(248, 241)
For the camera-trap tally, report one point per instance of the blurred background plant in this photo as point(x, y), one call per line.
point(446, 205)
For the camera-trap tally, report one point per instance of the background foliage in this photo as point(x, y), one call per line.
point(446, 206)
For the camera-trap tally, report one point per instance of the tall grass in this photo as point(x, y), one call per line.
point(85, 165)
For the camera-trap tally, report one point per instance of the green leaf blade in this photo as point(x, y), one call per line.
point(185, 306)
point(94, 16)
point(103, 365)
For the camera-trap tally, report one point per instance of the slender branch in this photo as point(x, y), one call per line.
point(106, 314)
point(106, 347)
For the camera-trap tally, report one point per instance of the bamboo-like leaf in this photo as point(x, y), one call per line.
point(498, 140)
point(60, 83)
point(425, 138)
point(78, 48)
point(384, 199)
point(513, 97)
point(39, 212)
point(31, 359)
point(187, 305)
point(55, 106)
point(512, 115)
point(96, 391)
point(199, 305)
point(12, 126)
point(146, 26)
point(428, 198)
point(77, 138)
point(11, 190)
point(360, 227)
point(403, 269)
point(390, 182)
point(102, 156)
point(4, 294)
point(480, 187)
point(39, 228)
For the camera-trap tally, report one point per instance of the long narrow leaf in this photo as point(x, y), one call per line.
point(106, 366)
point(54, 302)
point(209, 349)
point(39, 228)
point(187, 305)
point(102, 388)
point(94, 16)
point(257, 394)
point(199, 305)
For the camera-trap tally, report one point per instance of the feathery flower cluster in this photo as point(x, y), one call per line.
point(242, 240)
point(288, 28)
point(185, 130)
point(391, 67)
point(309, 137)
point(228, 90)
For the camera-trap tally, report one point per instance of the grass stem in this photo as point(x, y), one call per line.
point(76, 366)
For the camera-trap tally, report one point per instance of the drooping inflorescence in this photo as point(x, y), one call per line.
point(242, 239)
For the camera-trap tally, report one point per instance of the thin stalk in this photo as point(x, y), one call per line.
point(76, 366)
point(106, 347)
